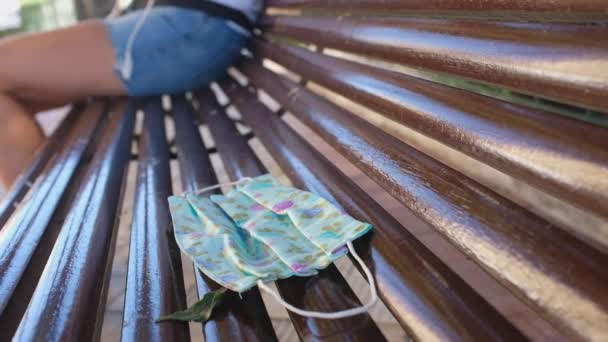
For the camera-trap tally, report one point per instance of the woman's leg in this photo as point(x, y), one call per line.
point(56, 67)
point(20, 136)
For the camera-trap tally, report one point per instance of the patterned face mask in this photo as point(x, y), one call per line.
point(263, 231)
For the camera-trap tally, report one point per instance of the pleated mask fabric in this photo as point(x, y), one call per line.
point(261, 231)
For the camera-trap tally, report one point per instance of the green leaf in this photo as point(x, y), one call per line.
point(198, 312)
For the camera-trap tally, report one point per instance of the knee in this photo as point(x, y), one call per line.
point(15, 118)
point(8, 86)
point(9, 82)
point(5, 87)
point(9, 67)
point(8, 104)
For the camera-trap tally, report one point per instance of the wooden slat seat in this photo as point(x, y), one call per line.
point(70, 293)
point(563, 10)
point(154, 281)
point(27, 228)
point(498, 133)
point(11, 200)
point(452, 257)
point(326, 292)
point(441, 197)
point(239, 318)
point(398, 269)
point(511, 55)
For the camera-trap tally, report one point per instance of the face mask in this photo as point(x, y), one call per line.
point(263, 231)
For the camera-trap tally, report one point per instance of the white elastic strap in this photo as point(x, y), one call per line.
point(332, 315)
point(217, 186)
point(126, 69)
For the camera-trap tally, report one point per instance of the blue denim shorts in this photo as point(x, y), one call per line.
point(177, 50)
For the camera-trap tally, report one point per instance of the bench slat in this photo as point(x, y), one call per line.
point(63, 199)
point(29, 176)
point(326, 292)
point(239, 161)
point(572, 166)
point(236, 319)
point(20, 238)
point(566, 63)
point(430, 301)
point(530, 9)
point(69, 300)
point(540, 263)
point(155, 285)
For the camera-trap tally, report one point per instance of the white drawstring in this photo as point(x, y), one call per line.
point(115, 12)
point(126, 69)
point(332, 315)
point(217, 186)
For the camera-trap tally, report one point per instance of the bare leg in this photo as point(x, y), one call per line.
point(55, 68)
point(20, 136)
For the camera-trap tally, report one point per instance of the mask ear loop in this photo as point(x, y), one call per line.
point(217, 186)
point(331, 315)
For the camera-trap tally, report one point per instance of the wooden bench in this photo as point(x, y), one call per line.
point(461, 257)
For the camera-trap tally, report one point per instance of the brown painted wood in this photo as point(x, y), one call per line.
point(30, 236)
point(430, 301)
point(565, 63)
point(560, 277)
point(240, 317)
point(155, 281)
point(26, 180)
point(531, 145)
point(69, 301)
point(571, 10)
point(326, 292)
point(18, 241)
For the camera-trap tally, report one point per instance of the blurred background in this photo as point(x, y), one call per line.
point(37, 15)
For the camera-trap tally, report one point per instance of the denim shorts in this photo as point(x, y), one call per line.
point(177, 50)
